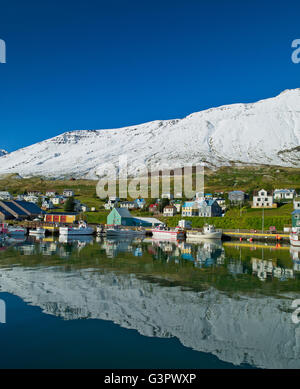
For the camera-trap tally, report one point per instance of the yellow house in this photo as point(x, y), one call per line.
point(61, 217)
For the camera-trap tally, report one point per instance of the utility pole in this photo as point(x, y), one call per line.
point(263, 219)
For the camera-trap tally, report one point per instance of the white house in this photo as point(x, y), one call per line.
point(31, 199)
point(297, 203)
point(50, 193)
point(284, 194)
point(68, 193)
point(170, 210)
point(127, 204)
point(57, 200)
point(112, 202)
point(5, 195)
point(263, 199)
point(47, 205)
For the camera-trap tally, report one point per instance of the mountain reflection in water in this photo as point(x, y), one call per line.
point(231, 300)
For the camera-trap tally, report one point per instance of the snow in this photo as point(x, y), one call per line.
point(265, 132)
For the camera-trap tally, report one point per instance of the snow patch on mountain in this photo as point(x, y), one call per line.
point(265, 132)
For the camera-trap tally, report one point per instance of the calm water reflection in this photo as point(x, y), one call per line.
point(209, 305)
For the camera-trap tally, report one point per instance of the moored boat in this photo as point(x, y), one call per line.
point(118, 231)
point(15, 230)
point(295, 237)
point(209, 232)
point(163, 232)
point(82, 229)
point(38, 231)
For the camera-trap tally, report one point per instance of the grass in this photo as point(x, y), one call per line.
point(222, 180)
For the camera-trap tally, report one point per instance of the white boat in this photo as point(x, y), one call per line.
point(162, 232)
point(295, 237)
point(82, 229)
point(209, 232)
point(15, 230)
point(37, 231)
point(118, 231)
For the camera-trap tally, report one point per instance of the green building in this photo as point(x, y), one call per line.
point(296, 218)
point(122, 217)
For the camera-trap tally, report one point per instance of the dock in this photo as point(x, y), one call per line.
point(258, 236)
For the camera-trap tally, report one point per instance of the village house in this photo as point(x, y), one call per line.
point(81, 207)
point(140, 203)
point(50, 193)
point(31, 199)
point(112, 202)
point(57, 200)
point(284, 194)
point(189, 208)
point(221, 203)
point(236, 196)
point(204, 208)
point(61, 217)
point(35, 193)
point(127, 204)
point(209, 208)
point(121, 216)
point(177, 205)
point(170, 210)
point(296, 203)
point(5, 195)
point(46, 205)
point(154, 208)
point(68, 193)
point(263, 199)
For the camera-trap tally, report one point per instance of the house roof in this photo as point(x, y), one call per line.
point(30, 207)
point(123, 212)
point(236, 192)
point(5, 212)
point(14, 208)
point(188, 204)
point(148, 219)
point(269, 192)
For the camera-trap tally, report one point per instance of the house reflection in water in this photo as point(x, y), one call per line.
point(268, 268)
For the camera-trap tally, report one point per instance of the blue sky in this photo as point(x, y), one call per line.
point(104, 64)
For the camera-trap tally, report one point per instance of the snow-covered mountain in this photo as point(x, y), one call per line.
point(265, 132)
point(3, 152)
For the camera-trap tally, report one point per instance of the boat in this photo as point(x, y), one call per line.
point(209, 232)
point(82, 229)
point(163, 232)
point(295, 237)
point(118, 231)
point(38, 231)
point(15, 230)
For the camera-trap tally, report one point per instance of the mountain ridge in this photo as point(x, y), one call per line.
point(266, 132)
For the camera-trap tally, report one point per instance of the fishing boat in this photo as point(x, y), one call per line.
point(38, 231)
point(82, 229)
point(209, 232)
point(163, 232)
point(295, 237)
point(15, 230)
point(118, 231)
